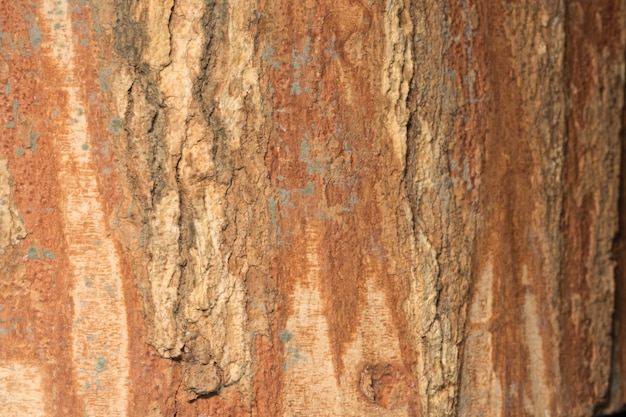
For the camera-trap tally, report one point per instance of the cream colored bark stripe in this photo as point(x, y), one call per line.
point(21, 391)
point(99, 332)
point(307, 346)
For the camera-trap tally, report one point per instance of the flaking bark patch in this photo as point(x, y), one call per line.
point(195, 170)
point(12, 232)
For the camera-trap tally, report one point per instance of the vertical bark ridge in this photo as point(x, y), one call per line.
point(193, 95)
point(590, 208)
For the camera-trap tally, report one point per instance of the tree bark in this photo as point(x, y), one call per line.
point(314, 208)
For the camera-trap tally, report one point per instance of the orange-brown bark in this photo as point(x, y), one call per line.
point(381, 208)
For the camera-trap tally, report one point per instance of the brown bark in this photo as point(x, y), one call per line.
point(342, 208)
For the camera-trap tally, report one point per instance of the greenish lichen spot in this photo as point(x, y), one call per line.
point(284, 198)
point(308, 189)
point(294, 357)
point(305, 156)
point(300, 61)
point(304, 152)
point(115, 125)
point(20, 152)
point(295, 89)
point(16, 105)
point(268, 52)
point(85, 147)
point(110, 291)
point(268, 56)
point(323, 216)
point(33, 141)
point(7, 89)
point(35, 36)
point(285, 336)
point(103, 78)
point(272, 208)
point(32, 253)
point(49, 254)
point(100, 364)
point(306, 50)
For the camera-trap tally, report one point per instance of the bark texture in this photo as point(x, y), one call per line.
point(313, 208)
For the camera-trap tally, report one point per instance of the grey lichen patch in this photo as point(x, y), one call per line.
point(33, 141)
point(296, 90)
point(312, 166)
point(111, 292)
point(35, 36)
point(268, 56)
point(100, 364)
point(292, 357)
point(273, 208)
point(103, 78)
point(13, 123)
point(32, 253)
point(308, 189)
point(115, 125)
point(285, 336)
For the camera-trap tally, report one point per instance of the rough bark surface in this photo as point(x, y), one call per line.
point(334, 208)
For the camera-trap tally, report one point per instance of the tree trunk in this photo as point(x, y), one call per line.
point(312, 208)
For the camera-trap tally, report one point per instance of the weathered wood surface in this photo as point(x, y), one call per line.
point(314, 208)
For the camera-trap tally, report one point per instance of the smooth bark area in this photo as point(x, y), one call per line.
point(314, 208)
